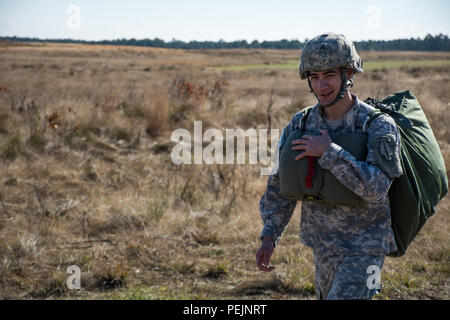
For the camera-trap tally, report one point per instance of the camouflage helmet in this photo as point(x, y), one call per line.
point(327, 51)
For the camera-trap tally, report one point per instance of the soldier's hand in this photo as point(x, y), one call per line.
point(263, 255)
point(314, 146)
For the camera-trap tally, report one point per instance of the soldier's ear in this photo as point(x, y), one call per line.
point(350, 73)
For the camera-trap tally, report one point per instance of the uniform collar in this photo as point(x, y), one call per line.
point(349, 118)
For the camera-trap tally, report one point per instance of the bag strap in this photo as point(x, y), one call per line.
point(370, 117)
point(305, 113)
point(309, 177)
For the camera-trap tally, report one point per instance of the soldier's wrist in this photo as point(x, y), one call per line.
point(265, 238)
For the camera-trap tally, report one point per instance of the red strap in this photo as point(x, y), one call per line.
point(310, 175)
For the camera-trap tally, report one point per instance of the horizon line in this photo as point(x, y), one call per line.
point(217, 41)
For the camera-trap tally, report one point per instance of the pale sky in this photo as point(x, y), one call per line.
point(228, 20)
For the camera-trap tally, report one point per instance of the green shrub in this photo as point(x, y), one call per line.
point(12, 148)
point(118, 133)
point(37, 142)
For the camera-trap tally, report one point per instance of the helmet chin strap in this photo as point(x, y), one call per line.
point(345, 84)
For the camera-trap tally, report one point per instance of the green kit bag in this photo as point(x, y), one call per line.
point(414, 195)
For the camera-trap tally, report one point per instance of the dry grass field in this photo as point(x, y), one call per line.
point(86, 176)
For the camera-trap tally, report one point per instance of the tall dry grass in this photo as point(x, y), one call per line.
point(87, 178)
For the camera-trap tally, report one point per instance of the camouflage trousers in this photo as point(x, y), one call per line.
point(347, 277)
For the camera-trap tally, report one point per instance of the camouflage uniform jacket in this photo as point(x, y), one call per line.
point(364, 230)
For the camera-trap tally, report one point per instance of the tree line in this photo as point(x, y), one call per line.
point(438, 42)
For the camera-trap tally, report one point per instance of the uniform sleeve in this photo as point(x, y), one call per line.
point(372, 178)
point(276, 210)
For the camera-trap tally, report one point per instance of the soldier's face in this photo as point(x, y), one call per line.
point(326, 84)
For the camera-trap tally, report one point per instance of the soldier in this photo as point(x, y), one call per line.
point(348, 241)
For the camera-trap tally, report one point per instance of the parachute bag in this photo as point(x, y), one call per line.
point(306, 180)
point(414, 195)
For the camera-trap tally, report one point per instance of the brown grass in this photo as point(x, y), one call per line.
point(87, 180)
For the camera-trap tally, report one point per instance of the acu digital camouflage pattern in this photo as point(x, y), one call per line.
point(345, 277)
point(345, 240)
point(340, 229)
point(328, 51)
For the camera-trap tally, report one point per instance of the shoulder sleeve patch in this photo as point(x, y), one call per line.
point(386, 152)
point(385, 146)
